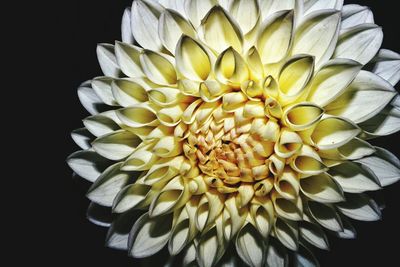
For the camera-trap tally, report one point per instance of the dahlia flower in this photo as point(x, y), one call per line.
point(239, 125)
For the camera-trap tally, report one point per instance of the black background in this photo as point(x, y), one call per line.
point(81, 243)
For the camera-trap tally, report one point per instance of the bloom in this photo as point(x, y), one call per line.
point(239, 122)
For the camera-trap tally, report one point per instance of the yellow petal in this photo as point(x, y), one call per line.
point(230, 68)
point(158, 68)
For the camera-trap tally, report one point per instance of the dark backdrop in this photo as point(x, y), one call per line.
point(82, 244)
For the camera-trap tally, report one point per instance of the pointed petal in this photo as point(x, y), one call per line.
point(315, 5)
point(196, 10)
point(118, 233)
point(333, 78)
point(349, 232)
point(100, 125)
point(116, 145)
point(387, 65)
point(158, 68)
point(230, 68)
point(99, 215)
point(87, 164)
point(354, 15)
point(89, 99)
point(126, 27)
point(138, 116)
point(314, 235)
point(82, 137)
point(360, 43)
point(250, 246)
point(355, 149)
point(107, 60)
point(287, 233)
point(305, 258)
point(326, 216)
point(128, 58)
point(302, 116)
point(246, 13)
point(360, 207)
point(132, 196)
point(321, 188)
point(149, 235)
point(102, 87)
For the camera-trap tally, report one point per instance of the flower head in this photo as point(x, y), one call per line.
point(239, 122)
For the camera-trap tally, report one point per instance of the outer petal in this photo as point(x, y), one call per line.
point(314, 235)
point(277, 255)
point(250, 246)
point(87, 164)
point(360, 43)
point(287, 233)
point(102, 87)
point(326, 216)
point(82, 137)
point(149, 235)
point(360, 207)
point(99, 215)
point(196, 10)
point(353, 15)
point(100, 125)
point(315, 5)
point(321, 188)
point(117, 235)
point(107, 60)
point(128, 58)
point(126, 27)
point(89, 99)
point(246, 13)
point(132, 196)
point(317, 35)
point(144, 25)
point(107, 186)
point(387, 65)
point(359, 102)
point(158, 68)
point(138, 116)
point(269, 7)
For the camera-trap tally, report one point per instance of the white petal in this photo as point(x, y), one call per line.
point(317, 35)
point(176, 5)
point(314, 235)
point(355, 149)
point(276, 254)
point(275, 37)
point(117, 235)
point(349, 232)
point(354, 178)
point(100, 125)
point(171, 27)
point(128, 58)
point(246, 13)
point(144, 25)
point(360, 43)
point(128, 92)
point(138, 116)
point(384, 165)
point(353, 15)
point(99, 215)
point(89, 99)
point(196, 10)
point(287, 233)
point(321, 188)
point(149, 235)
point(126, 27)
point(269, 7)
point(158, 68)
point(107, 186)
point(87, 164)
point(314, 5)
point(250, 246)
point(219, 31)
point(326, 216)
point(332, 132)
point(181, 233)
point(136, 195)
point(359, 102)
point(332, 79)
point(360, 207)
point(305, 258)
point(387, 65)
point(107, 60)
point(384, 123)
point(116, 145)
point(82, 137)
point(189, 255)
point(102, 87)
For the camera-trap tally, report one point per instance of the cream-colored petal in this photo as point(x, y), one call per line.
point(126, 29)
point(163, 171)
point(250, 246)
point(140, 160)
point(275, 37)
point(189, 255)
point(354, 15)
point(192, 60)
point(360, 207)
point(304, 257)
point(331, 80)
point(210, 207)
point(384, 165)
point(219, 31)
point(359, 102)
point(262, 213)
point(234, 218)
point(326, 216)
point(270, 87)
point(360, 43)
point(138, 116)
point(355, 178)
point(230, 68)
point(171, 116)
point(314, 235)
point(166, 96)
point(168, 146)
point(287, 184)
point(128, 58)
point(87, 164)
point(171, 26)
point(253, 109)
point(176, 5)
point(302, 116)
point(128, 93)
point(158, 68)
point(277, 255)
point(108, 62)
point(276, 164)
point(212, 91)
point(102, 87)
point(255, 66)
point(89, 99)
point(246, 13)
point(307, 162)
point(118, 233)
point(181, 232)
point(386, 122)
point(332, 132)
point(107, 186)
point(116, 145)
point(149, 235)
point(196, 10)
point(387, 65)
point(355, 149)
point(269, 7)
point(288, 209)
point(82, 137)
point(132, 196)
point(294, 77)
point(349, 232)
point(315, 5)
point(144, 26)
point(289, 143)
point(317, 35)
point(321, 188)
point(287, 233)
point(100, 125)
